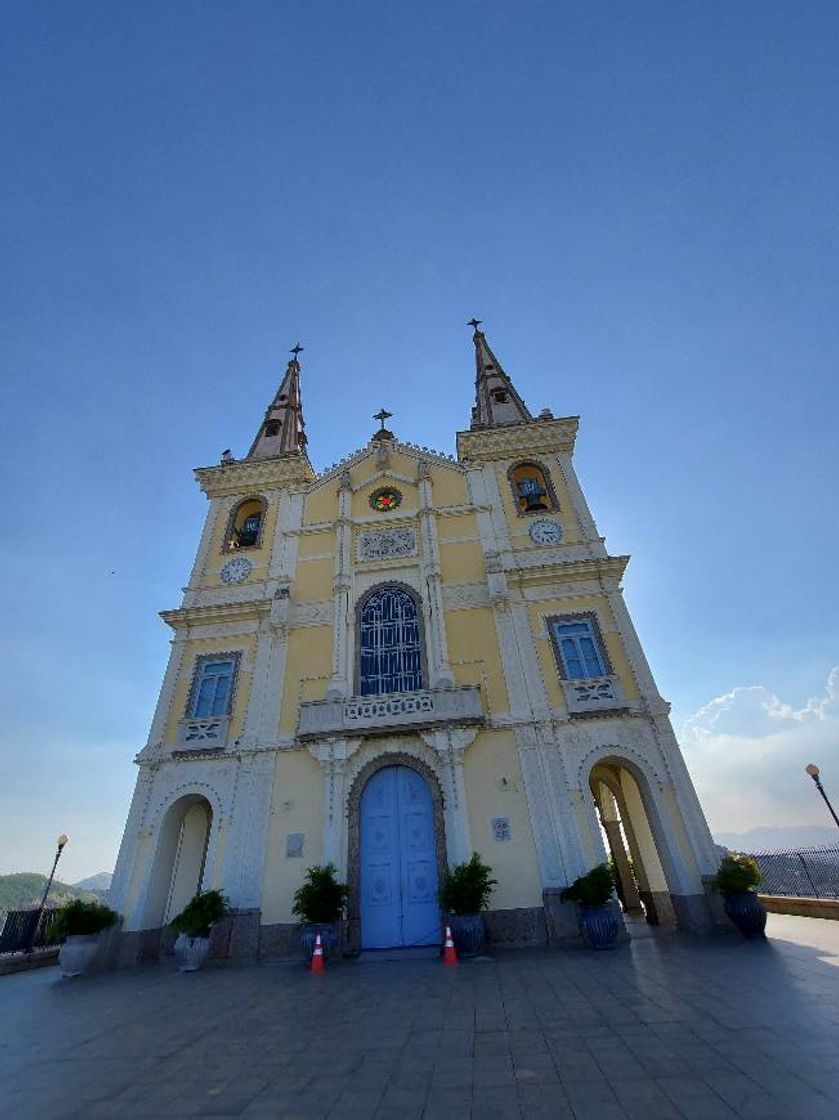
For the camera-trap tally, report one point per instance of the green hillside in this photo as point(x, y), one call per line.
point(26, 889)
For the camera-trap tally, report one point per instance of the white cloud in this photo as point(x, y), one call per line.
point(747, 750)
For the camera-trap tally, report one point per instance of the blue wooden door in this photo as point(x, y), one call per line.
point(398, 861)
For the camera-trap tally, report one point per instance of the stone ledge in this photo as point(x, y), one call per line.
point(22, 962)
point(802, 907)
point(382, 715)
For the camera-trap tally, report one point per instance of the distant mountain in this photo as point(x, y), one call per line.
point(771, 839)
point(100, 882)
point(26, 888)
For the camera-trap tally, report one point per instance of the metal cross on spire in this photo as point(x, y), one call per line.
point(381, 416)
point(474, 323)
point(296, 349)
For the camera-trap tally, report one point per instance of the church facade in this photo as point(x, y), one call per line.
point(394, 663)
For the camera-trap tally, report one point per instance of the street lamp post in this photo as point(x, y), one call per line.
point(813, 771)
point(62, 842)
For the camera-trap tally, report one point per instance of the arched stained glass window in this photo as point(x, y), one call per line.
point(391, 657)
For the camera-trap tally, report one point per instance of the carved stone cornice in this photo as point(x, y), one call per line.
point(244, 475)
point(185, 617)
point(513, 440)
point(598, 567)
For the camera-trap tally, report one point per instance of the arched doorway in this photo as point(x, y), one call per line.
point(628, 828)
point(398, 861)
point(178, 870)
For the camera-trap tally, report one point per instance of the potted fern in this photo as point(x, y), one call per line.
point(592, 892)
point(319, 904)
point(464, 895)
point(737, 880)
point(79, 924)
point(193, 926)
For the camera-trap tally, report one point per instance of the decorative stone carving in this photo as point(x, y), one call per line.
point(409, 710)
point(203, 732)
point(518, 439)
point(386, 544)
point(595, 694)
point(389, 706)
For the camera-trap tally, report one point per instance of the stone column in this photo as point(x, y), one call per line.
point(626, 885)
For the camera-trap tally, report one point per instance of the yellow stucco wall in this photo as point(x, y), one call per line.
point(295, 807)
point(494, 788)
point(321, 503)
point(474, 654)
point(309, 666)
point(314, 578)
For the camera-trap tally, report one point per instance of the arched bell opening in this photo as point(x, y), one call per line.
point(245, 525)
point(630, 825)
point(180, 860)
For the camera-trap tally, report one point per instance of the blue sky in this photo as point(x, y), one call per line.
point(638, 200)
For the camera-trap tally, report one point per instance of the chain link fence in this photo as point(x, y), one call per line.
point(800, 872)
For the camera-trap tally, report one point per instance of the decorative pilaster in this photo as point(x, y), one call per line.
point(121, 882)
point(545, 836)
point(218, 511)
point(441, 673)
point(637, 659)
point(588, 529)
point(450, 745)
point(167, 691)
point(339, 684)
point(244, 852)
point(333, 756)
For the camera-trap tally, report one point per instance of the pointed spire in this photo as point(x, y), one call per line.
point(282, 431)
point(497, 402)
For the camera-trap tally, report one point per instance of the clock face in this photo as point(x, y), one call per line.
point(236, 570)
point(545, 532)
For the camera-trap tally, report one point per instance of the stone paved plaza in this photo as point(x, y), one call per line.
point(661, 1028)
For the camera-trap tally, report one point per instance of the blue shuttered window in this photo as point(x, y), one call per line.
point(391, 659)
point(579, 648)
point(213, 688)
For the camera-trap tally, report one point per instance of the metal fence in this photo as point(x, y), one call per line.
point(801, 872)
point(17, 930)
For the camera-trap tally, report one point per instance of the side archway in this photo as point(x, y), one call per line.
point(180, 860)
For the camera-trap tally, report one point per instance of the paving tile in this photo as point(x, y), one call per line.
point(664, 1028)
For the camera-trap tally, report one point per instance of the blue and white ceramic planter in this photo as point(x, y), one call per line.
point(76, 954)
point(330, 938)
point(191, 952)
point(469, 932)
point(599, 925)
point(747, 912)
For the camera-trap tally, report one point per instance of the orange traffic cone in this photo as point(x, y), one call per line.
point(449, 951)
point(317, 956)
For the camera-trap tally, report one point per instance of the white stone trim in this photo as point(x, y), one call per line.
point(580, 506)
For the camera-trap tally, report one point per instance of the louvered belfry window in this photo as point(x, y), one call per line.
point(391, 659)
